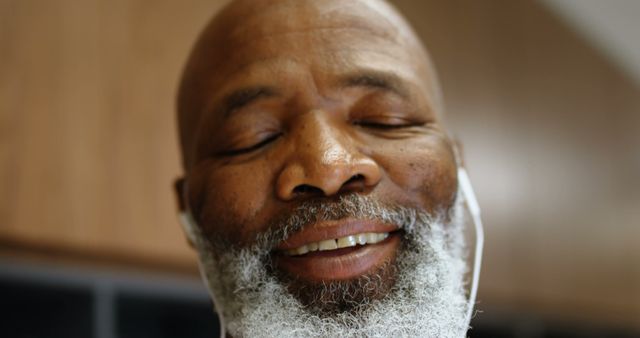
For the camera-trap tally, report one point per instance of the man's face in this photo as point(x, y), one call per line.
point(313, 107)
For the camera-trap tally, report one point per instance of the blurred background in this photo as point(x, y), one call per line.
point(544, 95)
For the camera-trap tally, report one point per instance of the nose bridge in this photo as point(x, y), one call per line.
point(325, 158)
point(320, 144)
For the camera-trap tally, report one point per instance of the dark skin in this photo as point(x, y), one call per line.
point(285, 101)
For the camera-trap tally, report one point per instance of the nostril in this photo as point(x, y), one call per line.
point(355, 183)
point(305, 189)
point(354, 178)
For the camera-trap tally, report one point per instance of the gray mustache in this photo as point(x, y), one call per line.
point(345, 206)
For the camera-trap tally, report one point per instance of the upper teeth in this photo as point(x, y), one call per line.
point(342, 242)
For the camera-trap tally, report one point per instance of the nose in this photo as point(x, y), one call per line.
point(325, 162)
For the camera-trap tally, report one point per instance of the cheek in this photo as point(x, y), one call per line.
point(230, 199)
point(424, 171)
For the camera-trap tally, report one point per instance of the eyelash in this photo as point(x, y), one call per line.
point(256, 146)
point(383, 126)
point(373, 125)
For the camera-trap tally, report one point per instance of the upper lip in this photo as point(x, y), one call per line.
point(325, 230)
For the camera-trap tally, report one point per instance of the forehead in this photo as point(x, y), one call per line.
point(291, 40)
point(332, 38)
point(273, 17)
point(289, 60)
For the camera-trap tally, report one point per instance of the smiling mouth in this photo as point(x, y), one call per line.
point(338, 250)
point(339, 243)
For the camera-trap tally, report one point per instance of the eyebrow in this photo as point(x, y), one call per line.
point(245, 96)
point(372, 79)
point(377, 80)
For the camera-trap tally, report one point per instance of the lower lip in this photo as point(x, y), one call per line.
point(340, 264)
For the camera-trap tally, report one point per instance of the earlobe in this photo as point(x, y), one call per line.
point(178, 188)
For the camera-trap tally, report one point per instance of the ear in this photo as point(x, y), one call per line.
point(184, 215)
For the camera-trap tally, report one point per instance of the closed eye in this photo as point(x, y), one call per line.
point(246, 150)
point(386, 126)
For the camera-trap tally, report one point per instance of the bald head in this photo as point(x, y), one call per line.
point(269, 33)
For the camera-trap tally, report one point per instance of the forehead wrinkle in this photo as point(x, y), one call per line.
point(242, 17)
point(240, 44)
point(352, 55)
point(276, 18)
point(320, 47)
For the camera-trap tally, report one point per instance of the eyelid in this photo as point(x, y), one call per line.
point(256, 146)
point(388, 122)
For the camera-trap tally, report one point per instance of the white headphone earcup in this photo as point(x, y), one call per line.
point(474, 210)
point(188, 225)
point(467, 191)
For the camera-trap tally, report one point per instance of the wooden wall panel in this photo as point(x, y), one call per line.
point(88, 138)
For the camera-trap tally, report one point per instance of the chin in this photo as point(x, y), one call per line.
point(418, 290)
point(327, 297)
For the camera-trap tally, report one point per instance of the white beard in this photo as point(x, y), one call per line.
point(426, 300)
